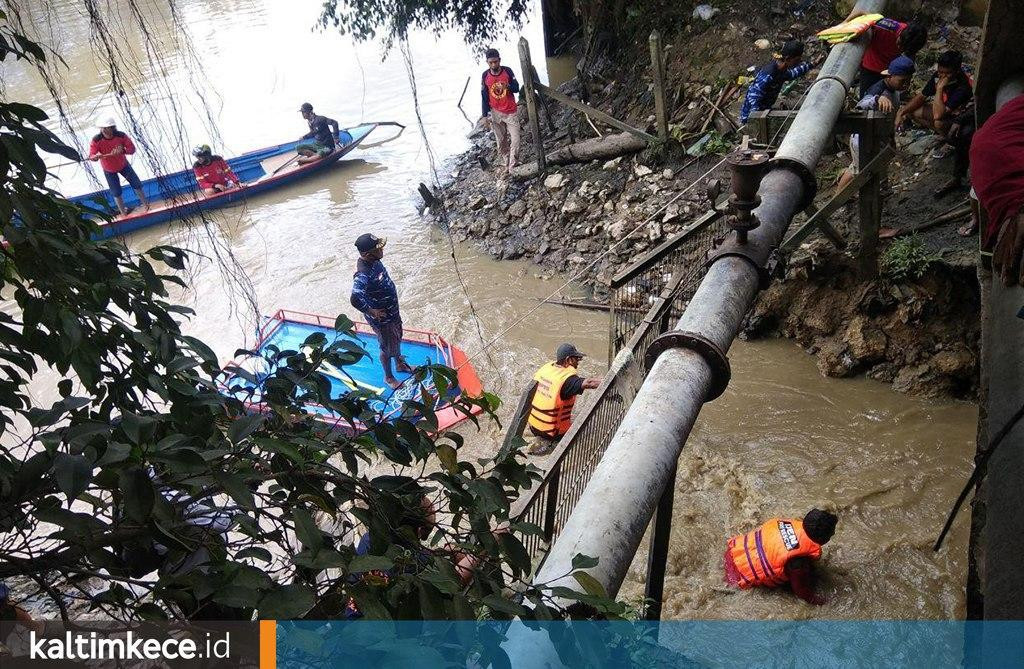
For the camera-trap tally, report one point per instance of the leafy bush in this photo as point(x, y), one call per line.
point(907, 259)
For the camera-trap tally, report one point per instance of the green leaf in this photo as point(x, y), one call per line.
point(581, 561)
point(150, 611)
point(306, 530)
point(498, 603)
point(516, 554)
point(590, 584)
point(448, 457)
point(139, 494)
point(244, 426)
point(254, 552)
point(362, 563)
point(287, 602)
point(73, 474)
point(235, 486)
point(114, 453)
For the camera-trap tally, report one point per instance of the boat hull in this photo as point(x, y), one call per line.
point(287, 330)
point(181, 197)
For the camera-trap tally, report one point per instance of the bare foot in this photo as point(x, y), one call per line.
point(968, 230)
point(392, 382)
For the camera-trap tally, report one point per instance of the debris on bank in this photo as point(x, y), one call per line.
point(915, 331)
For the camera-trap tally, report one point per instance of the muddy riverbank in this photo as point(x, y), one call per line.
point(914, 328)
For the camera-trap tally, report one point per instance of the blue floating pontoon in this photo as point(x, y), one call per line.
point(287, 330)
point(178, 195)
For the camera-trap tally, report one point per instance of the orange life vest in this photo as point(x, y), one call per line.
point(760, 555)
point(549, 413)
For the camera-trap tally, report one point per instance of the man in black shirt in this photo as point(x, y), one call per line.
point(946, 95)
point(322, 131)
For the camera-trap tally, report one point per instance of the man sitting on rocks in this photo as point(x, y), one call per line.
point(947, 94)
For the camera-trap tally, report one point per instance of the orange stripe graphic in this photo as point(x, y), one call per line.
point(268, 644)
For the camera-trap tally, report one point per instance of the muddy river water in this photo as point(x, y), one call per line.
point(782, 439)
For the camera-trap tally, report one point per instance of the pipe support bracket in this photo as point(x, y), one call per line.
point(805, 173)
point(707, 349)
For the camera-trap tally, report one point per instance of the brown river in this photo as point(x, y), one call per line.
point(782, 439)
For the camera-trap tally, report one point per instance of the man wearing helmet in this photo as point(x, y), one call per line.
point(212, 172)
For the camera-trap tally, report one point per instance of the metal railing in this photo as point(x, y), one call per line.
point(680, 257)
point(665, 279)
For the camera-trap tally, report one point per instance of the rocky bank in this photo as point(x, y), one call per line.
point(917, 331)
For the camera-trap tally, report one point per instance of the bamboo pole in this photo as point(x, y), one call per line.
point(658, 70)
point(531, 103)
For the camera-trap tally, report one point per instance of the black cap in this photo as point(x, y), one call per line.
point(367, 242)
point(567, 351)
point(792, 49)
point(820, 525)
point(306, 107)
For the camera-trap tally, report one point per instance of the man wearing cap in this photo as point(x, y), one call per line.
point(764, 89)
point(110, 147)
point(375, 296)
point(322, 131)
point(883, 96)
point(558, 384)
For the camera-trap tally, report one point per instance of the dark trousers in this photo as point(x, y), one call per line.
point(114, 182)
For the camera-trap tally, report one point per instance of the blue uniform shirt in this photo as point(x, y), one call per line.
point(764, 89)
point(373, 288)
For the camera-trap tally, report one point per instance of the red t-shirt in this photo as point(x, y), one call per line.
point(101, 144)
point(498, 94)
point(997, 166)
point(215, 173)
point(884, 45)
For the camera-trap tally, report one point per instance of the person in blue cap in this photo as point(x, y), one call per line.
point(375, 296)
point(883, 96)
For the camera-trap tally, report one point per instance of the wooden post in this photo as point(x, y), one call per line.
point(551, 503)
point(531, 103)
point(658, 70)
point(869, 202)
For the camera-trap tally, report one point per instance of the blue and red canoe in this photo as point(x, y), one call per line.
point(177, 195)
point(287, 330)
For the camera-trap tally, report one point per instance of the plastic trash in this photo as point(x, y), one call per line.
point(704, 12)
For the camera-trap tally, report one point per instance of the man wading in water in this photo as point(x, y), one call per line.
point(374, 294)
point(780, 551)
point(498, 87)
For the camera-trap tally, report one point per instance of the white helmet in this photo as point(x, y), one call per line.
point(106, 122)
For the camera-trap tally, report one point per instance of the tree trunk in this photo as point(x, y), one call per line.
point(598, 148)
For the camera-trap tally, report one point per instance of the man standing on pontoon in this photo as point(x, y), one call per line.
point(375, 296)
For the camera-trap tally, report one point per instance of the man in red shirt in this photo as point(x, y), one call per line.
point(213, 172)
point(997, 174)
point(110, 148)
point(889, 38)
point(498, 89)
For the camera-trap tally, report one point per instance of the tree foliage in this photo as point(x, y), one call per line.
point(145, 492)
point(480, 21)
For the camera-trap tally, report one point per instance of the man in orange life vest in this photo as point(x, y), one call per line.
point(213, 173)
point(498, 87)
point(558, 384)
point(780, 551)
